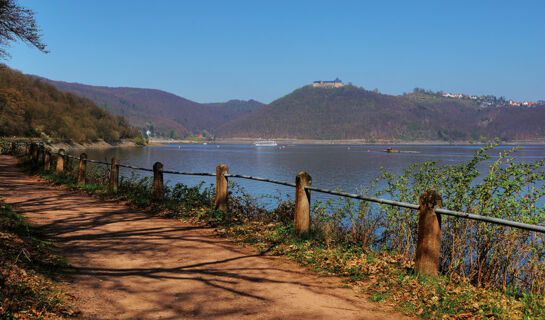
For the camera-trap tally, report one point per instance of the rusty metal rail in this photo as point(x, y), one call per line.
point(452, 213)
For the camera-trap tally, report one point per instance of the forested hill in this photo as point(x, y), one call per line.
point(354, 113)
point(167, 114)
point(32, 108)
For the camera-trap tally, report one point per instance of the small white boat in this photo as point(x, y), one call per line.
point(265, 143)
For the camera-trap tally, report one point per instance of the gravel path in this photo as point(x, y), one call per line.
point(127, 265)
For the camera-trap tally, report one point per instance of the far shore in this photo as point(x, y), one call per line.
point(101, 144)
point(282, 141)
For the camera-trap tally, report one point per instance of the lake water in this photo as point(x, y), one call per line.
point(331, 166)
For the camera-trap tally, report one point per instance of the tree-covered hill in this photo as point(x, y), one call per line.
point(30, 107)
point(354, 113)
point(165, 112)
point(320, 113)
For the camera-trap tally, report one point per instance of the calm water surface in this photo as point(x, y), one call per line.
point(332, 166)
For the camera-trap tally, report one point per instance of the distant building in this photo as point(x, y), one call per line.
point(328, 84)
point(514, 103)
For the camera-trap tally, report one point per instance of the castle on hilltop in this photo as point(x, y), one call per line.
point(328, 84)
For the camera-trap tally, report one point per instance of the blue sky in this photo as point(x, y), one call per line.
point(210, 51)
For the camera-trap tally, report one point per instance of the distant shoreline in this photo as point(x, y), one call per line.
point(73, 146)
point(250, 141)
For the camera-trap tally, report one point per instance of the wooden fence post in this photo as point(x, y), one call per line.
point(60, 161)
point(114, 175)
point(428, 245)
point(41, 156)
point(34, 152)
point(27, 149)
point(82, 177)
point(158, 192)
point(221, 187)
point(301, 219)
point(47, 160)
point(13, 148)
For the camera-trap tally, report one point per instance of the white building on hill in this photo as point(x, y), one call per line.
point(328, 84)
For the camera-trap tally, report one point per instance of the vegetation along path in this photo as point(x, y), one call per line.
point(128, 265)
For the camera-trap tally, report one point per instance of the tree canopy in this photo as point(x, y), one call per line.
point(17, 22)
point(355, 113)
point(32, 108)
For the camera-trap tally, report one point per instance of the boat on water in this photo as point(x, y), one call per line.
point(392, 150)
point(265, 143)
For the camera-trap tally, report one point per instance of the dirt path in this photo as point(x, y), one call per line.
point(128, 265)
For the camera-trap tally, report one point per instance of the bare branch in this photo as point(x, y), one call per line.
point(17, 22)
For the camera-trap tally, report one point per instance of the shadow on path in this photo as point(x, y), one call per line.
point(127, 265)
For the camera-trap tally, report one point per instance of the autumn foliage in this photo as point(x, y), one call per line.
point(32, 108)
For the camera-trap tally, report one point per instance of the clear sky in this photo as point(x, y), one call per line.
point(210, 51)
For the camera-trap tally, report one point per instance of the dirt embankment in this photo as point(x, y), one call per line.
point(75, 146)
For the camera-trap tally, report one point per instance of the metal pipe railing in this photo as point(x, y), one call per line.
point(459, 214)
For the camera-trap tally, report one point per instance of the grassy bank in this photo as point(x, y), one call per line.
point(27, 264)
point(487, 271)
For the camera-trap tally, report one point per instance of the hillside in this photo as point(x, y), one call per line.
point(354, 113)
point(30, 107)
point(166, 113)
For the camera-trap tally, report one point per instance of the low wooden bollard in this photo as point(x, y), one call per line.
point(221, 187)
point(60, 161)
point(41, 157)
point(82, 177)
point(34, 152)
point(301, 219)
point(114, 175)
point(158, 193)
point(428, 245)
point(47, 160)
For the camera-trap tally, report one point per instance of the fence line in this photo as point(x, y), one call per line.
point(459, 214)
point(428, 245)
point(260, 179)
point(135, 168)
point(95, 161)
point(189, 173)
point(365, 198)
point(508, 223)
point(407, 205)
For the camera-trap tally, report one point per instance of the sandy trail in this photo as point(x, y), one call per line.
point(128, 265)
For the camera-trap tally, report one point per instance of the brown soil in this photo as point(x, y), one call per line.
point(128, 265)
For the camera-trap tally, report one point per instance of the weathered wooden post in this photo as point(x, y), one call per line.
point(34, 152)
point(47, 160)
point(60, 161)
point(428, 245)
point(27, 148)
point(221, 187)
point(41, 156)
point(158, 192)
point(82, 177)
point(301, 219)
point(114, 175)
